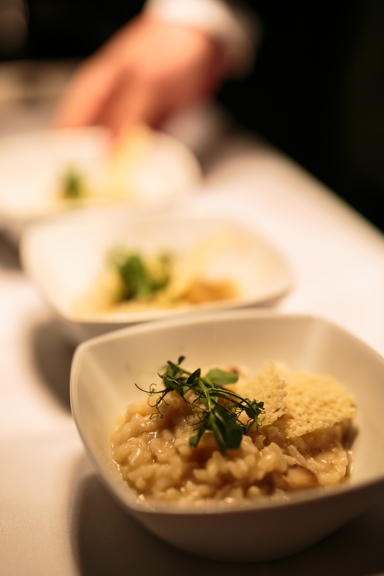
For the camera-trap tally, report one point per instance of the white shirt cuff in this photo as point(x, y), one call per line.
point(237, 31)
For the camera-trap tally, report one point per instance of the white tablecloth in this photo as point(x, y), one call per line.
point(55, 516)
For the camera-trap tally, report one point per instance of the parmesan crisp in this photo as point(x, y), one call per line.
point(298, 403)
point(269, 387)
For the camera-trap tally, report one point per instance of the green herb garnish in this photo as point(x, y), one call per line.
point(138, 279)
point(218, 409)
point(72, 184)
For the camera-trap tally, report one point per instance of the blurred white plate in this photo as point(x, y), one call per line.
point(65, 256)
point(150, 166)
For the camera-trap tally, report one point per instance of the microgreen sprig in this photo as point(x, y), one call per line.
point(217, 408)
point(138, 280)
point(72, 183)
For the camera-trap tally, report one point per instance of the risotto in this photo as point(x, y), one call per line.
point(299, 437)
point(135, 281)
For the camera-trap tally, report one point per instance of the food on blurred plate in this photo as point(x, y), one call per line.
point(72, 185)
point(133, 281)
point(228, 437)
point(143, 163)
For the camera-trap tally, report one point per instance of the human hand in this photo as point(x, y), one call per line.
point(146, 72)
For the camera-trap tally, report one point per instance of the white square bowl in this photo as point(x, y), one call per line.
point(65, 256)
point(103, 377)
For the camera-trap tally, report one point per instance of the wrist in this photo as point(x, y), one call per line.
point(238, 33)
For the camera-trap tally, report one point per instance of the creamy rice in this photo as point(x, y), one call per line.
point(193, 277)
point(154, 457)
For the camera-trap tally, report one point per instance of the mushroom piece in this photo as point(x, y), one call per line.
point(299, 477)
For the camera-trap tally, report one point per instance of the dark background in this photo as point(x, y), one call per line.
point(317, 90)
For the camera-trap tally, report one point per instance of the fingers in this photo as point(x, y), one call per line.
point(124, 106)
point(86, 95)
